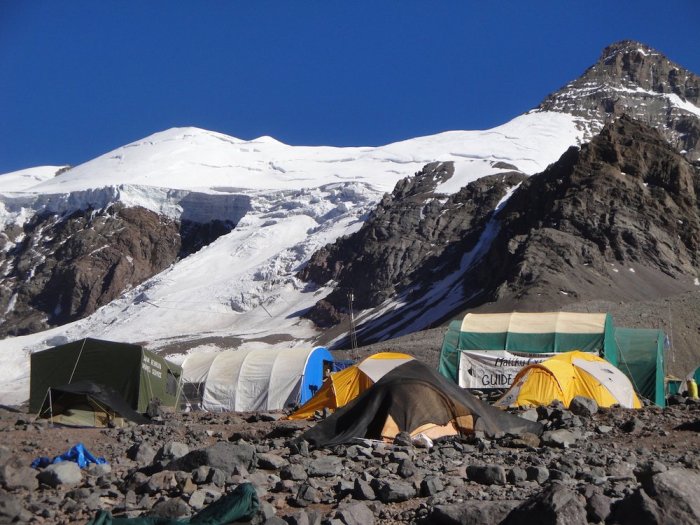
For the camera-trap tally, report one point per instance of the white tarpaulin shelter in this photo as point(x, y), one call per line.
point(254, 380)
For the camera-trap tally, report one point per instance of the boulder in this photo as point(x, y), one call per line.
point(222, 455)
point(555, 505)
point(487, 474)
point(471, 513)
point(64, 473)
point(677, 492)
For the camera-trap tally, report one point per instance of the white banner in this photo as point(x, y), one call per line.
point(493, 369)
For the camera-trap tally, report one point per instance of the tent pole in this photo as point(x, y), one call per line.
point(76, 361)
point(50, 407)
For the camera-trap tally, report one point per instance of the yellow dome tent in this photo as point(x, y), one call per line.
point(566, 376)
point(344, 386)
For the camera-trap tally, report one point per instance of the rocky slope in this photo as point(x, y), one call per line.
point(59, 268)
point(616, 220)
point(612, 466)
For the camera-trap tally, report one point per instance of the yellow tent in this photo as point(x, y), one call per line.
point(568, 375)
point(344, 386)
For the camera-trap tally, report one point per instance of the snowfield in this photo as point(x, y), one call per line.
point(288, 201)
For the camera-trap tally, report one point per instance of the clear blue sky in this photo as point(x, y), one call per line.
point(79, 78)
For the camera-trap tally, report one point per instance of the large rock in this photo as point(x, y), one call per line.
point(222, 455)
point(14, 475)
point(64, 473)
point(471, 513)
point(677, 492)
point(391, 491)
point(355, 514)
point(555, 505)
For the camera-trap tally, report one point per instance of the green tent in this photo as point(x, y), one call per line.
point(136, 374)
point(641, 359)
point(487, 350)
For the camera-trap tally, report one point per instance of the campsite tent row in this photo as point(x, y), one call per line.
point(488, 350)
point(254, 380)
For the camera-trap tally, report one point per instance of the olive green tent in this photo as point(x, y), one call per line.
point(487, 350)
point(641, 359)
point(136, 374)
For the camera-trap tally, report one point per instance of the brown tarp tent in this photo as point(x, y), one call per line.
point(414, 398)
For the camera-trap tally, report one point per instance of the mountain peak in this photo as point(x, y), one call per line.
point(634, 79)
point(626, 47)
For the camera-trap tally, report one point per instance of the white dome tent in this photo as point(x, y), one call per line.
point(253, 380)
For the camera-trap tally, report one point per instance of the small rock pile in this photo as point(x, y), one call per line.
point(591, 465)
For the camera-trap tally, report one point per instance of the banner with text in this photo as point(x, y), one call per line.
point(493, 369)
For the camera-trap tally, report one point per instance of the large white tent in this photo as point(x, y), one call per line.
point(254, 380)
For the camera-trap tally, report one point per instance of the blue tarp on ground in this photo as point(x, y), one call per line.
point(78, 453)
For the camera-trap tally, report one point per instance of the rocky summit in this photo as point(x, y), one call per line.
point(591, 465)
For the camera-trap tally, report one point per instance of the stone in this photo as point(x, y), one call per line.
point(391, 491)
point(63, 473)
point(561, 438)
point(487, 474)
point(294, 472)
point(269, 461)
point(223, 455)
point(357, 513)
point(325, 466)
point(172, 450)
point(13, 475)
point(142, 453)
point(197, 499)
point(306, 495)
point(537, 473)
point(171, 508)
point(471, 513)
point(632, 426)
point(362, 490)
point(10, 507)
point(431, 485)
point(677, 492)
point(516, 475)
point(403, 439)
point(583, 406)
point(554, 505)
point(637, 507)
point(598, 508)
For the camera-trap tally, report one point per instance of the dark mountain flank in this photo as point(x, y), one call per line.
point(412, 240)
point(616, 220)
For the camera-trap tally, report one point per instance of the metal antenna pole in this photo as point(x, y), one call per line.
point(353, 335)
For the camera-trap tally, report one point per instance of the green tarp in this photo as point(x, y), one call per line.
point(136, 374)
point(241, 503)
point(641, 359)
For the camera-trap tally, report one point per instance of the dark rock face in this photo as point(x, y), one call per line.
point(411, 241)
point(615, 220)
point(58, 269)
point(632, 78)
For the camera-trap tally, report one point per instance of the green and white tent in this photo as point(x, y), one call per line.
point(487, 350)
point(136, 374)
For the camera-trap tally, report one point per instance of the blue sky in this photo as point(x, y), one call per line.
point(80, 78)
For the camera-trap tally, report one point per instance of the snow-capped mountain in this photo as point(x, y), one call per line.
point(190, 240)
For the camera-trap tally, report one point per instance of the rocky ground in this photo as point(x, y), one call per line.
point(590, 466)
